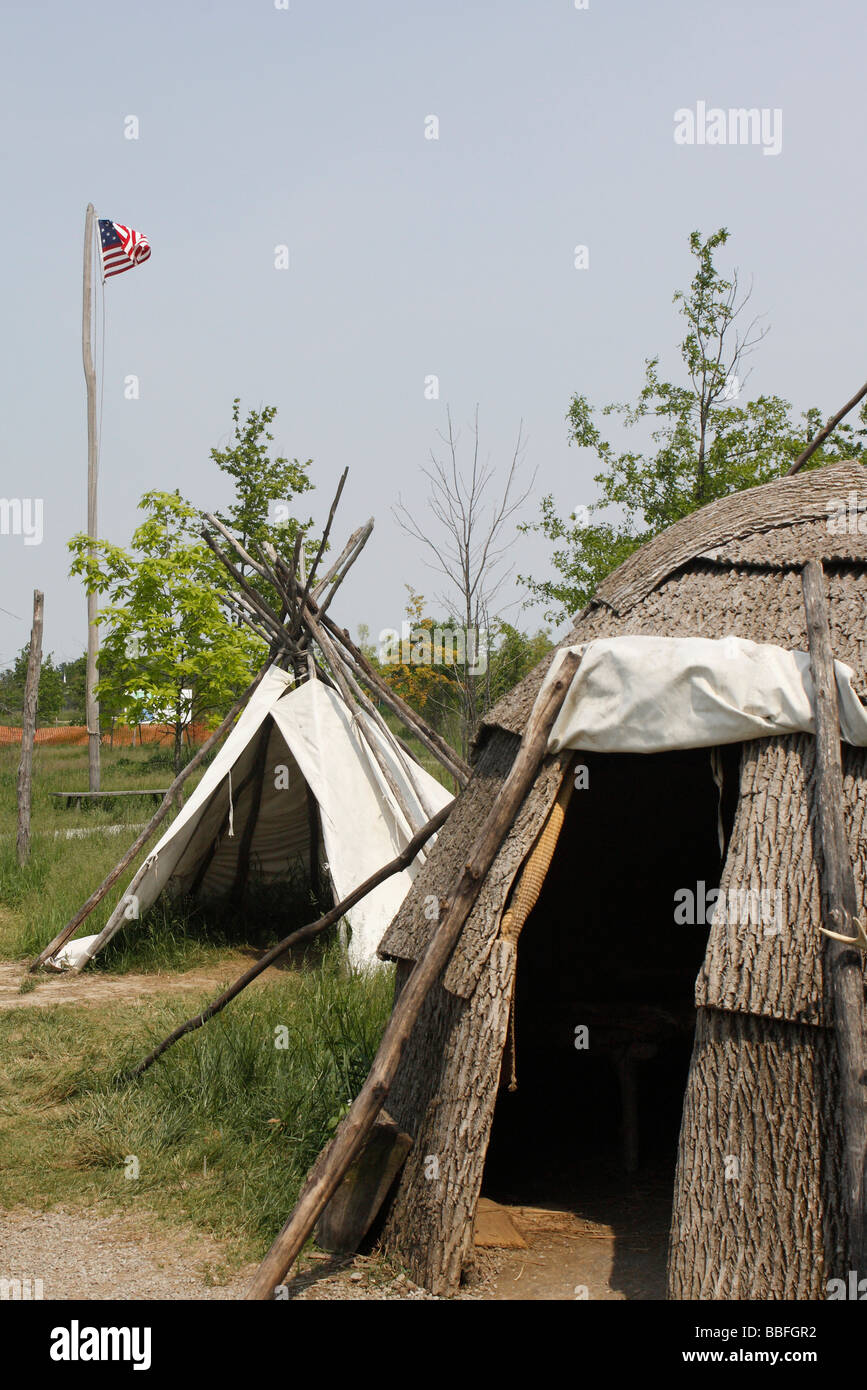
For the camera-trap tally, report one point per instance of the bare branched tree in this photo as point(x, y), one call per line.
point(467, 539)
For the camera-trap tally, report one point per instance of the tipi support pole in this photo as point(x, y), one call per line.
point(842, 963)
point(28, 730)
point(329, 1169)
point(276, 953)
point(142, 838)
point(91, 703)
point(411, 815)
point(436, 746)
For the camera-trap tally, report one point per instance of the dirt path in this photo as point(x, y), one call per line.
point(97, 988)
point(81, 1255)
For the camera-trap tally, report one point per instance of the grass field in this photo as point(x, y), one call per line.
point(222, 1130)
point(218, 1134)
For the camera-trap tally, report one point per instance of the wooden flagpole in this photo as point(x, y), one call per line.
point(91, 703)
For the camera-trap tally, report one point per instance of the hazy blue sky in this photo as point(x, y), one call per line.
point(408, 257)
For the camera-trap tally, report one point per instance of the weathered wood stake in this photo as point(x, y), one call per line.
point(28, 730)
point(842, 964)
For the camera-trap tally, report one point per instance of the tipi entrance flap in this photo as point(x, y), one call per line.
point(641, 694)
point(169, 850)
point(279, 847)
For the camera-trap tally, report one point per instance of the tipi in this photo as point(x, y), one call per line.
point(311, 783)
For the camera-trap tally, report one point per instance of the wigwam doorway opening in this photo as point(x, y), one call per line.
point(591, 1090)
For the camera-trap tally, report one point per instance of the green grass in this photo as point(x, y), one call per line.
point(38, 899)
point(223, 1127)
point(180, 934)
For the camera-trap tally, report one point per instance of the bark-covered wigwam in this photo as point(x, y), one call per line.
point(714, 1039)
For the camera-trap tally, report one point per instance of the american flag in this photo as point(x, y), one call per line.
point(122, 248)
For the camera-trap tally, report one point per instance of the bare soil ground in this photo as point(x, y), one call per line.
point(79, 1255)
point(572, 1257)
point(83, 1255)
point(92, 988)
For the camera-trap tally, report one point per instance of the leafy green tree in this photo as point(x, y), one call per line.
point(700, 441)
point(265, 488)
point(49, 700)
point(170, 650)
point(513, 656)
point(74, 679)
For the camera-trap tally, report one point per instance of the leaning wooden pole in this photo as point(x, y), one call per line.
point(823, 434)
point(842, 963)
point(144, 835)
point(91, 702)
point(28, 730)
point(333, 1162)
point(296, 938)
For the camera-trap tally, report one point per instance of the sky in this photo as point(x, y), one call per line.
point(306, 126)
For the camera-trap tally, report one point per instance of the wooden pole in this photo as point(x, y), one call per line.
point(329, 1169)
point(91, 703)
point(28, 730)
point(142, 838)
point(282, 948)
point(842, 964)
point(829, 429)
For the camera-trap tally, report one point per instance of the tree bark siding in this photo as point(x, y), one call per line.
point(449, 1108)
point(775, 846)
point(756, 1195)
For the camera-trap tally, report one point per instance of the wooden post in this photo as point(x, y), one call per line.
point(91, 703)
point(842, 964)
point(335, 1159)
point(28, 730)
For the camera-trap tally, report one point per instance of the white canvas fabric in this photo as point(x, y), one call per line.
point(312, 742)
point(651, 694)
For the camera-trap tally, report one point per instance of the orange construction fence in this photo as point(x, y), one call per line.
point(123, 736)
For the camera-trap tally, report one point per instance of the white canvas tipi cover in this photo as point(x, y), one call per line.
point(312, 743)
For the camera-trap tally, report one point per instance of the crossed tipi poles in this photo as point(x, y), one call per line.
point(290, 613)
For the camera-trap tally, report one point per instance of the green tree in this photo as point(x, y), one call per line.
point(513, 656)
point(265, 487)
point(700, 441)
point(74, 679)
point(171, 650)
point(49, 700)
point(420, 671)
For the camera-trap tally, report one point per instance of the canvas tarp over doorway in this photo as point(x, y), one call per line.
point(655, 694)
